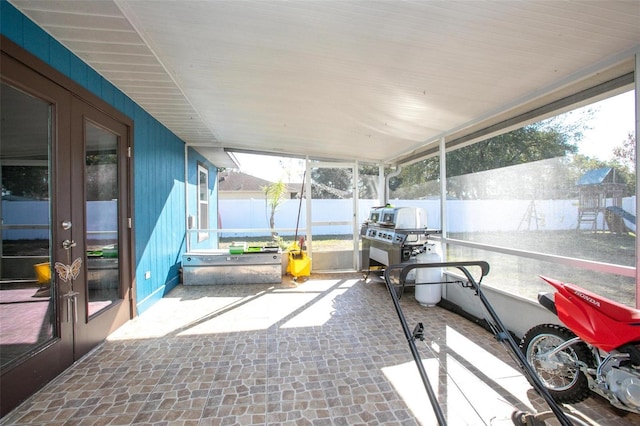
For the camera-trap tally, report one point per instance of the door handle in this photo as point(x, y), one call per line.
point(67, 244)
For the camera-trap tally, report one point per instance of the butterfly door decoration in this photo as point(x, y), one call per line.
point(68, 272)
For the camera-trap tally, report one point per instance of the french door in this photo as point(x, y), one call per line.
point(65, 275)
point(99, 227)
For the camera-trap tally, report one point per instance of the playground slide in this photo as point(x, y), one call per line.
point(620, 220)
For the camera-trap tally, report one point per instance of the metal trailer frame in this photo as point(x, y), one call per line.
point(500, 331)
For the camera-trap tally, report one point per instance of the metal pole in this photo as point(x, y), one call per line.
point(637, 168)
point(503, 335)
point(416, 355)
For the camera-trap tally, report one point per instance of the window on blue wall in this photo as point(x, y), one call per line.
point(203, 202)
point(555, 198)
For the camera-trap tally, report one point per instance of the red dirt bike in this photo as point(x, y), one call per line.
point(598, 350)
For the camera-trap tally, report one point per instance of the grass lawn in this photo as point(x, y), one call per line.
point(521, 275)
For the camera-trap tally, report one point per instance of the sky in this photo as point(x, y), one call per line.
point(271, 168)
point(613, 119)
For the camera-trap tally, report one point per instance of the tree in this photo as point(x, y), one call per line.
point(626, 153)
point(418, 180)
point(538, 141)
point(625, 158)
point(331, 183)
point(368, 182)
point(26, 181)
point(335, 183)
point(557, 137)
point(274, 194)
point(552, 138)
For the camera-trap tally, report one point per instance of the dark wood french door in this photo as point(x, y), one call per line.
point(100, 234)
point(65, 276)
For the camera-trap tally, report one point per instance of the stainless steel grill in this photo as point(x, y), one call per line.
point(390, 235)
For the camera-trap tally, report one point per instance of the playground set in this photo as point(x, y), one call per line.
point(601, 192)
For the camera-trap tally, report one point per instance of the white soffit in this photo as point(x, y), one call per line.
point(217, 156)
point(362, 80)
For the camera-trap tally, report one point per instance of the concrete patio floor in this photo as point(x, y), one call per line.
point(328, 351)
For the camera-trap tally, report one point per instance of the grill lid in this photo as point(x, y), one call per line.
point(398, 217)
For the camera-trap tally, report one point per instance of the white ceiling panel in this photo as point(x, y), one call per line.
point(367, 80)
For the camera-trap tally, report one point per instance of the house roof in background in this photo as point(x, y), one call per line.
point(237, 181)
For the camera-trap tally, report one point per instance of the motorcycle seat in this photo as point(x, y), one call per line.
point(614, 310)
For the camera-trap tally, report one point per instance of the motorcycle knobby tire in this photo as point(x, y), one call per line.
point(566, 383)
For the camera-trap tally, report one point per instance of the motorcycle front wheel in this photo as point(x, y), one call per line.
point(559, 373)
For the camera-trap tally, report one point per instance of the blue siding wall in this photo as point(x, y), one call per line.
point(159, 210)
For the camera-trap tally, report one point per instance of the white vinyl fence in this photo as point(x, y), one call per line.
point(463, 216)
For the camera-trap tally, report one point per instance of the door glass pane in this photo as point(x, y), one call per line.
point(101, 160)
point(26, 302)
